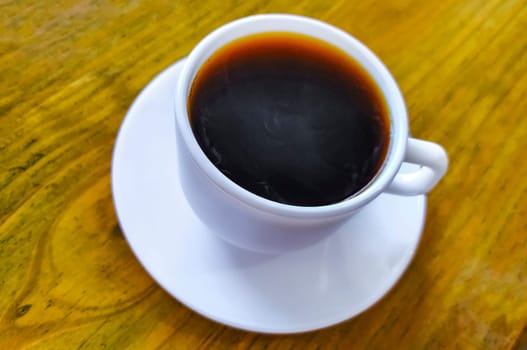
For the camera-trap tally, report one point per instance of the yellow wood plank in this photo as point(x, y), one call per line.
point(71, 68)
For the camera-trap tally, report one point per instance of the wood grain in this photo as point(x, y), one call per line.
point(69, 71)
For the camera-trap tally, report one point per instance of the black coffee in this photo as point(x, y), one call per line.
point(290, 118)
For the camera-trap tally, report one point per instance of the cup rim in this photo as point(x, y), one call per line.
point(397, 117)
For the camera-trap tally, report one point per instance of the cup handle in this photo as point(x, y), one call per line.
point(434, 163)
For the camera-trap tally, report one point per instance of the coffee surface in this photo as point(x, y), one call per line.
point(290, 118)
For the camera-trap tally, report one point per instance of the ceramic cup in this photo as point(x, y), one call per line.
point(256, 223)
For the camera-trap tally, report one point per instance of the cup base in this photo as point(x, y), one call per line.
point(314, 287)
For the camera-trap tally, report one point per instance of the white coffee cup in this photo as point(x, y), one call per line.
point(256, 223)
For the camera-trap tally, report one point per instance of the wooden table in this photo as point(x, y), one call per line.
point(69, 70)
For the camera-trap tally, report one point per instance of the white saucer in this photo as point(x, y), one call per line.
point(298, 291)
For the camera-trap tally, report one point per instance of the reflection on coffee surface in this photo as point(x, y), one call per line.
point(290, 118)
